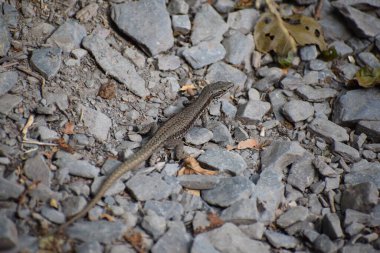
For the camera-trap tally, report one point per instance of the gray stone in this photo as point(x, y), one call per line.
point(302, 173)
point(293, 215)
point(347, 152)
point(53, 215)
point(198, 182)
point(201, 244)
point(291, 82)
point(347, 70)
point(204, 53)
point(356, 105)
point(221, 134)
point(279, 240)
point(332, 183)
point(168, 62)
point(115, 65)
point(341, 48)
point(281, 154)
point(228, 109)
point(361, 197)
point(198, 135)
point(98, 124)
point(10, 15)
point(224, 6)
point(229, 238)
point(241, 212)
point(9, 190)
point(364, 25)
point(58, 97)
point(168, 209)
point(47, 134)
point(277, 100)
point(308, 53)
point(100, 231)
point(331, 226)
point(5, 37)
point(370, 128)
point(229, 191)
point(80, 168)
point(315, 94)
point(7, 81)
point(178, 7)
point(181, 24)
point(323, 244)
point(354, 229)
point(208, 25)
point(253, 111)
point(154, 224)
point(297, 110)
point(221, 71)
point(144, 187)
point(46, 61)
point(68, 36)
point(122, 248)
point(369, 155)
point(271, 77)
point(317, 65)
point(91, 247)
point(238, 46)
point(369, 59)
point(323, 168)
point(117, 187)
point(358, 247)
point(223, 160)
point(243, 20)
point(253, 231)
point(176, 239)
point(328, 130)
point(147, 22)
point(36, 169)
point(8, 234)
point(73, 205)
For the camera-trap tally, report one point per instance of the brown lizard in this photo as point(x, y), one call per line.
point(174, 128)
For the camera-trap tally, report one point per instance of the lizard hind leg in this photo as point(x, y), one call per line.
point(177, 145)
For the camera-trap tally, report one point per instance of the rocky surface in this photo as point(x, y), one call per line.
point(287, 160)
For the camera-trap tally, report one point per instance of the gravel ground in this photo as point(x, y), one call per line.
point(290, 157)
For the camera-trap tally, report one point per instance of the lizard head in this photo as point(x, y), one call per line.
point(218, 89)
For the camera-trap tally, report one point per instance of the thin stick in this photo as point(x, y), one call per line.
point(39, 77)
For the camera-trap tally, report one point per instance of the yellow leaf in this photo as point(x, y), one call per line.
point(54, 203)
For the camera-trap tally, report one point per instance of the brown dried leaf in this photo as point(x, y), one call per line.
point(64, 146)
point(107, 91)
point(248, 143)
point(107, 217)
point(215, 220)
point(194, 168)
point(136, 240)
point(188, 88)
point(69, 128)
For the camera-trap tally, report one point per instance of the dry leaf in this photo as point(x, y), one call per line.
point(136, 240)
point(53, 203)
point(215, 220)
point(107, 91)
point(69, 128)
point(107, 217)
point(249, 143)
point(64, 146)
point(191, 166)
point(193, 192)
point(49, 154)
point(243, 4)
point(282, 36)
point(188, 88)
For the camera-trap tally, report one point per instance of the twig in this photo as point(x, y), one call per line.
point(318, 9)
point(39, 77)
point(31, 141)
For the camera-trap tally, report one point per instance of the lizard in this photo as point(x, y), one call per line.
point(172, 129)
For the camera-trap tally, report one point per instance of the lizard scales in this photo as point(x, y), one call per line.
point(173, 128)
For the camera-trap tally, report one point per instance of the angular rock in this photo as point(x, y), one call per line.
point(241, 212)
point(73, 205)
point(93, 247)
point(324, 244)
point(229, 191)
point(369, 59)
point(198, 182)
point(68, 36)
point(302, 173)
point(204, 53)
point(277, 100)
point(8, 234)
point(36, 169)
point(254, 231)
point(362, 172)
point(297, 110)
point(308, 53)
point(181, 24)
point(144, 187)
point(253, 111)
point(221, 71)
point(315, 95)
point(114, 64)
point(147, 22)
point(293, 215)
point(7, 81)
point(178, 7)
point(223, 160)
point(370, 128)
point(347, 152)
point(46, 61)
point(168, 62)
point(47, 134)
point(331, 226)
point(201, 244)
point(198, 135)
point(238, 46)
point(361, 197)
point(5, 37)
point(154, 224)
point(220, 133)
point(347, 70)
point(358, 247)
point(208, 25)
point(169, 209)
point(116, 188)
point(328, 130)
point(243, 20)
point(357, 105)
point(100, 231)
point(341, 48)
point(281, 154)
point(279, 240)
point(80, 168)
point(8, 102)
point(53, 215)
point(176, 239)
